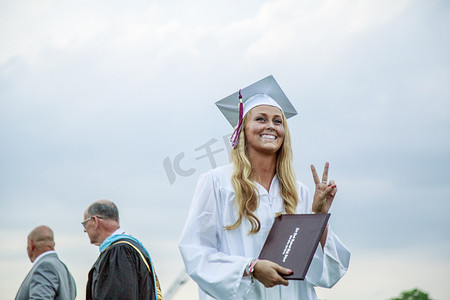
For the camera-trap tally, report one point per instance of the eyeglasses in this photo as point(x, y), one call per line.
point(87, 220)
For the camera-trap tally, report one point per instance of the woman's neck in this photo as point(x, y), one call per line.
point(264, 168)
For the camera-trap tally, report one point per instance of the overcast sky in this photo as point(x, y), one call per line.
point(115, 100)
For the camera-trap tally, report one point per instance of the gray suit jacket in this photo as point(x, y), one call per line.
point(48, 279)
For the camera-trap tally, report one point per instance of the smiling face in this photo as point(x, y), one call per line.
point(264, 130)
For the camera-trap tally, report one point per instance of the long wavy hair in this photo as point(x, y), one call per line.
point(247, 196)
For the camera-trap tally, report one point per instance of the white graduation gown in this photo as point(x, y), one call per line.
point(216, 258)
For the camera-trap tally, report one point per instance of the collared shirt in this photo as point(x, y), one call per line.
point(118, 231)
point(42, 255)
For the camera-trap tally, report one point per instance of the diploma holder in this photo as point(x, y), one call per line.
point(293, 240)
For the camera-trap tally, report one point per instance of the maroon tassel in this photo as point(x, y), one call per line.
point(235, 136)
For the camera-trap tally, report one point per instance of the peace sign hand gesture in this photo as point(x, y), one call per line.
point(324, 192)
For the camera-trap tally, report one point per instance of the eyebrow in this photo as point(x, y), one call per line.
point(266, 115)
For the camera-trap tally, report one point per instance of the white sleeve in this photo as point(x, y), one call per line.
point(217, 274)
point(331, 263)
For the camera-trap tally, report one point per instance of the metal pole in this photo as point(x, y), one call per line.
point(181, 279)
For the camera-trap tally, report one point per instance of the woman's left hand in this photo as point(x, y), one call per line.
point(324, 192)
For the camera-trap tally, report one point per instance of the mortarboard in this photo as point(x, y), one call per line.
point(263, 92)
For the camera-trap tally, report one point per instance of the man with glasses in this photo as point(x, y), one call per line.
point(124, 269)
point(49, 277)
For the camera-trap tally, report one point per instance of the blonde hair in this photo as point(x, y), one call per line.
point(247, 196)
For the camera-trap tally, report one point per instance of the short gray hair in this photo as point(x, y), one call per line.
point(105, 209)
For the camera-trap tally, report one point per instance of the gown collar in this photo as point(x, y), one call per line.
point(262, 190)
point(115, 237)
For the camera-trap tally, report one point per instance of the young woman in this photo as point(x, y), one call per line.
point(234, 207)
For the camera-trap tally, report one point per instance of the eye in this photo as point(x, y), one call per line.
point(260, 119)
point(278, 121)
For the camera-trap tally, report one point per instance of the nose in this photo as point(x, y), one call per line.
point(270, 125)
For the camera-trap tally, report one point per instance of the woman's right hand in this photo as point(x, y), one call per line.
point(268, 273)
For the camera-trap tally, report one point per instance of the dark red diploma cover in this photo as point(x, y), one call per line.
point(293, 240)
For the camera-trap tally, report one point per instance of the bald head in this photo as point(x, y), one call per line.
point(40, 240)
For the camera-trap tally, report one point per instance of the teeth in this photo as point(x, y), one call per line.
point(268, 137)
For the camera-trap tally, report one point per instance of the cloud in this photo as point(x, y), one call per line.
point(410, 266)
point(96, 96)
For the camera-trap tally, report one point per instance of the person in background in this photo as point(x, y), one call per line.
point(124, 269)
point(234, 207)
point(49, 277)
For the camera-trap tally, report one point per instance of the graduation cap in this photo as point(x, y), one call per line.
point(263, 92)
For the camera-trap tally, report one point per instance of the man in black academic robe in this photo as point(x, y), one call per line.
point(124, 269)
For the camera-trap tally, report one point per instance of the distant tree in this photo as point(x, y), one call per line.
point(414, 294)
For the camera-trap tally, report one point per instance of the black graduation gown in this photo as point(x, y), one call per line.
point(120, 273)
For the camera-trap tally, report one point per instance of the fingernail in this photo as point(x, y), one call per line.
point(333, 186)
point(289, 271)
